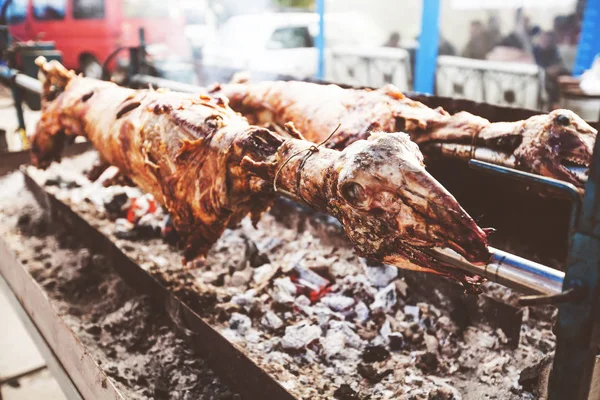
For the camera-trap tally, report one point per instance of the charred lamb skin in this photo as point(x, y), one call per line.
point(209, 168)
point(543, 144)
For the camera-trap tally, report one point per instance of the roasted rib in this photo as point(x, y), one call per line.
point(548, 144)
point(209, 168)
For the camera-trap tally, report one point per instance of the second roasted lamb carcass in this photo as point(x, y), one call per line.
point(544, 144)
point(209, 168)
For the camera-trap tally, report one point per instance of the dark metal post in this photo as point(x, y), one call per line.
point(578, 322)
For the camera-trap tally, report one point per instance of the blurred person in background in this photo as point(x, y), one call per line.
point(393, 40)
point(445, 47)
point(493, 30)
point(546, 56)
point(479, 44)
point(517, 46)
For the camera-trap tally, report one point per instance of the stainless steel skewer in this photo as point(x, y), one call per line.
point(509, 270)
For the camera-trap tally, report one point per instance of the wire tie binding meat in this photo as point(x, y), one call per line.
point(310, 150)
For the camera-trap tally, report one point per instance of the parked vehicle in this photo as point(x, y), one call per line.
point(88, 31)
point(284, 43)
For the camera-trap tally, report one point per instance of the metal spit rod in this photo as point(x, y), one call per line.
point(21, 80)
point(504, 268)
point(466, 152)
point(509, 270)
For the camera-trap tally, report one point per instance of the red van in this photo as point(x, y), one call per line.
point(87, 31)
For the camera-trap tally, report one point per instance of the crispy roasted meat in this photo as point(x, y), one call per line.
point(553, 144)
point(209, 168)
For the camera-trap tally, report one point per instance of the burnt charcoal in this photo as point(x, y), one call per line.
point(396, 341)
point(375, 353)
point(428, 362)
point(128, 235)
point(53, 181)
point(345, 392)
point(534, 378)
point(34, 225)
point(168, 232)
point(115, 205)
point(369, 373)
point(24, 219)
point(93, 330)
point(254, 256)
point(61, 182)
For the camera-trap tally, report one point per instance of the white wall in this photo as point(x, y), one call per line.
point(404, 16)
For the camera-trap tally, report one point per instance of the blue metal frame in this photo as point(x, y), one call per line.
point(426, 59)
point(589, 40)
point(320, 40)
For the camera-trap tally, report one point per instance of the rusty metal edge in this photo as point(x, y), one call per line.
point(84, 372)
point(243, 374)
point(11, 161)
point(52, 362)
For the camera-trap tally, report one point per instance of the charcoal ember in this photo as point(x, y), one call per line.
point(385, 299)
point(396, 341)
point(428, 362)
point(337, 302)
point(375, 353)
point(297, 337)
point(116, 205)
point(345, 392)
point(240, 323)
point(368, 372)
point(381, 275)
point(271, 321)
point(308, 282)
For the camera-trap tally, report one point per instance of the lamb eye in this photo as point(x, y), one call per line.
point(562, 119)
point(354, 193)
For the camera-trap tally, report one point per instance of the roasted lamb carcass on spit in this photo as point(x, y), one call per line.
point(553, 144)
point(209, 168)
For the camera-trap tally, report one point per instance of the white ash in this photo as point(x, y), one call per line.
point(381, 275)
point(338, 302)
point(298, 336)
point(240, 323)
point(304, 352)
point(413, 311)
point(262, 274)
point(385, 299)
point(362, 312)
point(271, 321)
point(245, 300)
